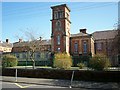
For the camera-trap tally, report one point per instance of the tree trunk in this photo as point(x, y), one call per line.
point(33, 64)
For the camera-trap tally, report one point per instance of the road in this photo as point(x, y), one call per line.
point(22, 82)
point(23, 85)
point(10, 85)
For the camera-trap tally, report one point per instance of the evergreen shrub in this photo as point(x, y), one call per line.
point(99, 62)
point(9, 61)
point(62, 61)
point(81, 65)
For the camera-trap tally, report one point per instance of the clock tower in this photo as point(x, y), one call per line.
point(60, 36)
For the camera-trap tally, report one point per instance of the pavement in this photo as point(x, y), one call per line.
point(63, 83)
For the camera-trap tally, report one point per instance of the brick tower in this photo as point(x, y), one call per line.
point(60, 37)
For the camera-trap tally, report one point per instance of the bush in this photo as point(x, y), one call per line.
point(9, 61)
point(62, 61)
point(99, 62)
point(81, 65)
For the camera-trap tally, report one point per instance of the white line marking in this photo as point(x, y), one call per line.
point(23, 86)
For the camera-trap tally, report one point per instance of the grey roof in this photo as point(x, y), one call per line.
point(5, 44)
point(35, 42)
point(109, 34)
point(79, 34)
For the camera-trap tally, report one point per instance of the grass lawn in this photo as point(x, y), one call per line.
point(72, 68)
point(29, 67)
point(47, 67)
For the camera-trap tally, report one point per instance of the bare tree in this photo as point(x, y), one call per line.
point(33, 45)
point(116, 43)
point(32, 42)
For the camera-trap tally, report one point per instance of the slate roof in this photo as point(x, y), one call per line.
point(79, 34)
point(35, 42)
point(108, 34)
point(4, 44)
point(27, 45)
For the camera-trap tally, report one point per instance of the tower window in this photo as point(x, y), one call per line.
point(58, 40)
point(76, 47)
point(84, 47)
point(60, 14)
point(55, 15)
point(58, 49)
point(58, 25)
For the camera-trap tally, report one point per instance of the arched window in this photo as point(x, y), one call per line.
point(58, 23)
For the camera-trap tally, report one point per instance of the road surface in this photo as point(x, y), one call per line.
point(23, 85)
point(11, 85)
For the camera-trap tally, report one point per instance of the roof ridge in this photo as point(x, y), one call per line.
point(104, 31)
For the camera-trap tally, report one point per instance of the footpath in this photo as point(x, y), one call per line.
point(63, 83)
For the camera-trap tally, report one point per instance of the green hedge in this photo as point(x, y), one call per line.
point(9, 61)
point(102, 76)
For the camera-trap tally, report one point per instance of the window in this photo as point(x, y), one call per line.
point(37, 55)
point(42, 55)
point(58, 25)
point(76, 47)
point(99, 46)
point(55, 15)
point(58, 49)
point(60, 14)
point(58, 40)
point(17, 55)
point(24, 55)
point(85, 47)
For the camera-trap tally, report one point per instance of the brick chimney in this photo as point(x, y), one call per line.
point(83, 30)
point(20, 40)
point(7, 40)
point(40, 38)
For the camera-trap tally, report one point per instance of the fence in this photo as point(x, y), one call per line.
point(37, 63)
point(81, 59)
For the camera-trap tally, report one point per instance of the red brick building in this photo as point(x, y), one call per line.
point(82, 43)
point(79, 44)
point(62, 41)
point(60, 28)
